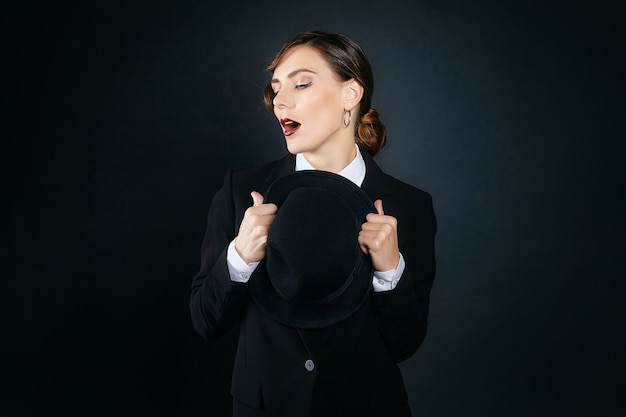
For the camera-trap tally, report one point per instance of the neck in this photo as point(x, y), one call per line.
point(332, 160)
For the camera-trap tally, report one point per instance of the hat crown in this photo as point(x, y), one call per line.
point(312, 247)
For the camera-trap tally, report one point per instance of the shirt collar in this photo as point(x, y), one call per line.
point(355, 171)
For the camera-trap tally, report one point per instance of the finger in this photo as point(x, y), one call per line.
point(261, 211)
point(379, 207)
point(371, 241)
point(377, 226)
point(257, 198)
point(363, 247)
point(372, 238)
point(377, 219)
point(374, 218)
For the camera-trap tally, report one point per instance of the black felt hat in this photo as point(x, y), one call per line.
point(314, 273)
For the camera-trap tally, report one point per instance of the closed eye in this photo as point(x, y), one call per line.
point(303, 86)
point(298, 87)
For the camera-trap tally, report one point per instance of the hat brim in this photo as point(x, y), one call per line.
point(307, 316)
point(311, 316)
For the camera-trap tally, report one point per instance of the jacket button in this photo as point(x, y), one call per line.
point(309, 365)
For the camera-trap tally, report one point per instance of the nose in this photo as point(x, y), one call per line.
point(282, 100)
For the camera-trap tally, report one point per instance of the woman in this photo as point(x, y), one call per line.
point(320, 93)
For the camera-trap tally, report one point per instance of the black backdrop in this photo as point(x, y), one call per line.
point(121, 119)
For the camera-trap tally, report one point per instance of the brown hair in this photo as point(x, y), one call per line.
point(348, 61)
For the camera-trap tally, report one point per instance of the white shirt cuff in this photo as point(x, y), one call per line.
point(239, 270)
point(387, 280)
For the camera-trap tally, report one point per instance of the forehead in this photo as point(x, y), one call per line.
point(299, 58)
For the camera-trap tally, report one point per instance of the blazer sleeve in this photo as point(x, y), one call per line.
point(216, 302)
point(402, 313)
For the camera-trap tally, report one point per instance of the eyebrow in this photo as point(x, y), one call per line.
point(293, 74)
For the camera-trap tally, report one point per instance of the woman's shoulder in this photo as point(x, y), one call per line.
point(381, 183)
point(410, 204)
point(404, 188)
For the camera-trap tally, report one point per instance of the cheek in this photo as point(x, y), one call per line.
point(325, 105)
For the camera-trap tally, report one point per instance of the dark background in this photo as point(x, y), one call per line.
point(121, 119)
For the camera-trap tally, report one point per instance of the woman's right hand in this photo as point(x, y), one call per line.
point(252, 238)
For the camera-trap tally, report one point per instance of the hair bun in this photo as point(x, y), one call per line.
point(371, 134)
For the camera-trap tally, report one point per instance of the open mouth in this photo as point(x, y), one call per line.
point(289, 126)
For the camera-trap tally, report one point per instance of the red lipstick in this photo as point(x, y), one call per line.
point(289, 126)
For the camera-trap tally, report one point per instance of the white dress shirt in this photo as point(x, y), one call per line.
point(355, 172)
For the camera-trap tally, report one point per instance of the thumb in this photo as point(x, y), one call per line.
point(379, 207)
point(257, 198)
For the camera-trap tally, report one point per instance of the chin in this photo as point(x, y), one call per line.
point(294, 147)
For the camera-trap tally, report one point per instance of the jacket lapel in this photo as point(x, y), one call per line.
point(375, 182)
point(284, 166)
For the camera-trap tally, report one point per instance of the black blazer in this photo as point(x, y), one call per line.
point(348, 369)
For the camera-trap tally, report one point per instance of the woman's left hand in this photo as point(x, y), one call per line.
point(379, 239)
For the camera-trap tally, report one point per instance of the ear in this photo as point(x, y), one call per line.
point(352, 94)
